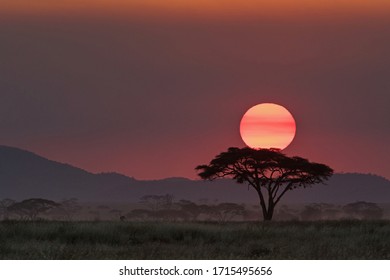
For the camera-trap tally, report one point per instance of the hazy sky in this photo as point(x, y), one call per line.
point(151, 90)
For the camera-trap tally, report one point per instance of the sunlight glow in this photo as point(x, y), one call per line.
point(195, 7)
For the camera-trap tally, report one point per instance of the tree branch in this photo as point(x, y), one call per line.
point(288, 187)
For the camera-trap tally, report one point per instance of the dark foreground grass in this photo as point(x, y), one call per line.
point(151, 240)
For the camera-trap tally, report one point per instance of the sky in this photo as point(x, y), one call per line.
point(152, 89)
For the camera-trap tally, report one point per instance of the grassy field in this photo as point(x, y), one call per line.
point(151, 240)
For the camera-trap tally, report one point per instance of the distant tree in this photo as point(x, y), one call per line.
point(30, 208)
point(330, 211)
point(250, 215)
point(224, 212)
point(140, 214)
point(169, 215)
point(203, 200)
point(311, 212)
point(285, 213)
point(332, 214)
point(268, 171)
point(157, 202)
point(320, 211)
point(191, 209)
point(4, 204)
point(363, 210)
point(67, 209)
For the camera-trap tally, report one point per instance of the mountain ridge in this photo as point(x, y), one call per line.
point(24, 174)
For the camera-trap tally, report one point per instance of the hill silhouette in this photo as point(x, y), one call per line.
point(24, 174)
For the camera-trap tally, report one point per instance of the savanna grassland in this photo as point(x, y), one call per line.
point(198, 240)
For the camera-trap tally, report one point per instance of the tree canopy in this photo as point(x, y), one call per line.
point(31, 208)
point(270, 172)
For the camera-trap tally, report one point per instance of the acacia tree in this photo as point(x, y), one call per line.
point(270, 172)
point(29, 209)
point(226, 211)
point(363, 210)
point(157, 202)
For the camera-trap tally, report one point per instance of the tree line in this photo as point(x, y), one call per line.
point(166, 208)
point(163, 208)
point(269, 172)
point(38, 208)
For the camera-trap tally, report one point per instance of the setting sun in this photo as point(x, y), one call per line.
point(267, 126)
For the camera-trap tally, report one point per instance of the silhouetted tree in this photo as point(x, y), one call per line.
point(321, 211)
point(250, 215)
point(332, 214)
point(67, 209)
point(268, 171)
point(311, 212)
point(330, 211)
point(363, 210)
point(157, 202)
point(140, 214)
point(191, 209)
point(4, 204)
point(285, 213)
point(169, 215)
point(31, 208)
point(224, 212)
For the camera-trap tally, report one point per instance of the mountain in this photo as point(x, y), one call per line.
point(24, 174)
point(345, 188)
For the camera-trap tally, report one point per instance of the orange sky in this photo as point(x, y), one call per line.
point(151, 98)
point(197, 7)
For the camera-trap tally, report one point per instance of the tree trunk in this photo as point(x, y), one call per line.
point(268, 210)
point(268, 214)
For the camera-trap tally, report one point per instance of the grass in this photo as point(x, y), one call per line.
point(159, 240)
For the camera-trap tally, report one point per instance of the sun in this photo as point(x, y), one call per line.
point(266, 126)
